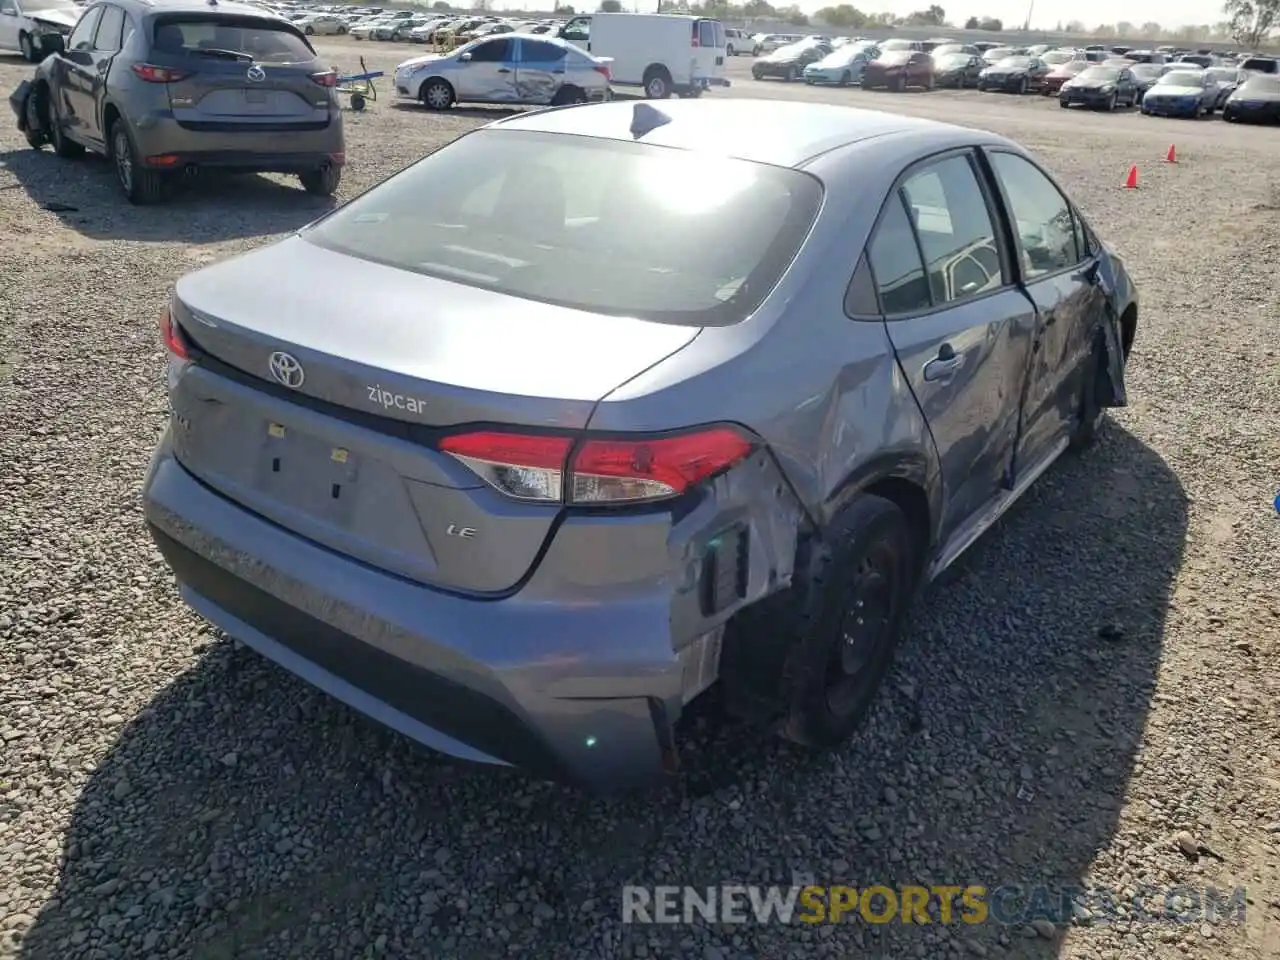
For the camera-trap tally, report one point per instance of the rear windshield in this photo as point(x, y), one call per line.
point(1260, 86)
point(1101, 74)
point(1182, 78)
point(239, 37)
point(607, 226)
point(1260, 64)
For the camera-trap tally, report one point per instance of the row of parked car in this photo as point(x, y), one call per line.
point(1195, 85)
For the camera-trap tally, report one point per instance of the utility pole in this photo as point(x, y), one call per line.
point(1026, 27)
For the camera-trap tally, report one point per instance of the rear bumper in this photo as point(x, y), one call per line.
point(1169, 109)
point(283, 151)
point(573, 690)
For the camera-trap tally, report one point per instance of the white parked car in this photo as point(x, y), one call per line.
point(24, 25)
point(511, 69)
point(324, 24)
point(662, 53)
point(738, 43)
point(365, 29)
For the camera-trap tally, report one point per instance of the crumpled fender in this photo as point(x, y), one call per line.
point(18, 102)
point(1120, 293)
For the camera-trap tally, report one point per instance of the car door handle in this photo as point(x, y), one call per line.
point(943, 366)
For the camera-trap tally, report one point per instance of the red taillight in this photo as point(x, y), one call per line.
point(154, 74)
point(327, 79)
point(171, 336)
point(604, 72)
point(619, 470)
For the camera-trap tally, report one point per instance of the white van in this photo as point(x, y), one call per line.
point(664, 53)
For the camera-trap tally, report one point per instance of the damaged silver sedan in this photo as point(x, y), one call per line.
point(523, 449)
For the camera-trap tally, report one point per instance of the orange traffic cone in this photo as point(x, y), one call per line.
point(1131, 181)
point(1171, 156)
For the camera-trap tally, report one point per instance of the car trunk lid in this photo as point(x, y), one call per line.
point(337, 443)
point(240, 73)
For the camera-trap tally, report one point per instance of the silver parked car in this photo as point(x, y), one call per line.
point(513, 69)
point(524, 448)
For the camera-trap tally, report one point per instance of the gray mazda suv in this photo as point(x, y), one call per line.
point(522, 450)
point(165, 87)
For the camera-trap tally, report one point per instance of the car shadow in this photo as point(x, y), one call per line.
point(206, 208)
point(242, 814)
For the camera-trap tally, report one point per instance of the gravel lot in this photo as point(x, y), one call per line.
point(1099, 677)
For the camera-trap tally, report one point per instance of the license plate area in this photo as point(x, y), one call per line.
point(307, 474)
point(255, 98)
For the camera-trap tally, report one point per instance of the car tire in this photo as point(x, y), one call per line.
point(27, 47)
point(342, 31)
point(309, 30)
point(141, 185)
point(898, 84)
point(437, 94)
point(1063, 104)
point(657, 84)
point(567, 95)
point(791, 75)
point(322, 181)
point(929, 82)
point(729, 52)
point(846, 78)
point(1111, 103)
point(849, 607)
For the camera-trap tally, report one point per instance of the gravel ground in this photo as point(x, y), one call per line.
point(1093, 691)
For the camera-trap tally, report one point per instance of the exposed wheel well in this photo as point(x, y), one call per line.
point(1128, 328)
point(656, 69)
point(109, 116)
point(912, 501)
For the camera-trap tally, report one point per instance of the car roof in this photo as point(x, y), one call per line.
point(778, 132)
point(229, 7)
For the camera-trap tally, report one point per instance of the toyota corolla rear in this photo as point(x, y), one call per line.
point(387, 468)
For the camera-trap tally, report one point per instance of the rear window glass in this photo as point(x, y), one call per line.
point(607, 226)
point(262, 41)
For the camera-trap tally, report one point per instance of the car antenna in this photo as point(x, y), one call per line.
point(646, 119)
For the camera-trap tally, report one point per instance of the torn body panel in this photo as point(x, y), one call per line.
point(735, 548)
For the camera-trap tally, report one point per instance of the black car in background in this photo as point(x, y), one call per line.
point(1017, 74)
point(1100, 88)
point(1257, 100)
point(1226, 79)
point(958, 70)
point(1145, 76)
point(788, 63)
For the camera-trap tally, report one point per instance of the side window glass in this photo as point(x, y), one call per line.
point(578, 31)
point(895, 262)
point(107, 39)
point(955, 229)
point(8, 6)
point(531, 51)
point(706, 34)
point(1042, 217)
point(495, 51)
point(860, 299)
point(82, 36)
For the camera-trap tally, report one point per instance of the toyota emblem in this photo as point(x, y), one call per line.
point(256, 74)
point(285, 369)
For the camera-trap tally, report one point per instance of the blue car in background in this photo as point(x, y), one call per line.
point(842, 66)
point(1181, 93)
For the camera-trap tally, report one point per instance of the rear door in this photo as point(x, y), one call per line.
point(960, 328)
point(107, 42)
point(241, 73)
point(76, 105)
point(540, 70)
point(1058, 271)
point(709, 49)
point(490, 73)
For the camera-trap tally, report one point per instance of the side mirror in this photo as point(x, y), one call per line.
point(465, 58)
